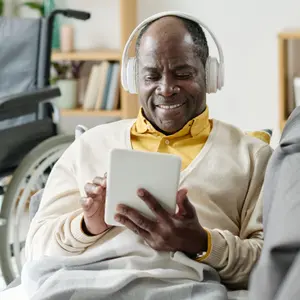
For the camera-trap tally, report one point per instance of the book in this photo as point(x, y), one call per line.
point(102, 83)
point(92, 88)
point(113, 94)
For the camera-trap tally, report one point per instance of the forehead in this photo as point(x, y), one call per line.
point(171, 47)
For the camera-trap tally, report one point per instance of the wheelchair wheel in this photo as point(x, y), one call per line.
point(28, 178)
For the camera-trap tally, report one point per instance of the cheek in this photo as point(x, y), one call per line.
point(146, 89)
point(194, 88)
point(201, 81)
point(146, 92)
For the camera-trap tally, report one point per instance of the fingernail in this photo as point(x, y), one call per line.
point(117, 218)
point(183, 191)
point(141, 193)
point(96, 189)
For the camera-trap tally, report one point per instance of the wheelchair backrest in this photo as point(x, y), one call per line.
point(25, 115)
point(19, 54)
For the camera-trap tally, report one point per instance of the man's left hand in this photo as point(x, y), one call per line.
point(169, 232)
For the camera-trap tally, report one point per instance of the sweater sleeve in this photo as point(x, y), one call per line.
point(234, 256)
point(56, 228)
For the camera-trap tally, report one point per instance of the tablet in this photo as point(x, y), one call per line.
point(130, 170)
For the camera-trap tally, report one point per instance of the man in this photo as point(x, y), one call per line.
point(217, 230)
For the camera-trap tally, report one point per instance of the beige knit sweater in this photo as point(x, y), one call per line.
point(224, 183)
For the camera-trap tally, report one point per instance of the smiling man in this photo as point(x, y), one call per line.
point(217, 229)
point(171, 66)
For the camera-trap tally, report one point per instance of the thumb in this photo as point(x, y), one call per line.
point(185, 208)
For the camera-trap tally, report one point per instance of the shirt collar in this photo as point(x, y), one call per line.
point(194, 126)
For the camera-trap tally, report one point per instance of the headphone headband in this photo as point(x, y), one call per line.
point(124, 78)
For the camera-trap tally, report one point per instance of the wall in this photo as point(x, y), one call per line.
point(100, 31)
point(247, 31)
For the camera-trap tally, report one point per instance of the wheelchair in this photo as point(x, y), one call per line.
point(31, 141)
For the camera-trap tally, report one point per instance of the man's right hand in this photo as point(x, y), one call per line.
point(93, 207)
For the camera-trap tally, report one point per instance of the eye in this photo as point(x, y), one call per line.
point(152, 77)
point(184, 75)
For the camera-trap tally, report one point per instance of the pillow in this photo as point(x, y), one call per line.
point(264, 135)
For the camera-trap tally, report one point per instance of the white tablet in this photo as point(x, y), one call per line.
point(130, 170)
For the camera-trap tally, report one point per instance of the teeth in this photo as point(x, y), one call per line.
point(169, 106)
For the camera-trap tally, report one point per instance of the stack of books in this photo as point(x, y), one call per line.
point(103, 87)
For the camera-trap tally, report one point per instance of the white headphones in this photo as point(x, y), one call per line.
point(214, 69)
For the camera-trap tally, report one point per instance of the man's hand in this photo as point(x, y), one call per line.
point(178, 232)
point(93, 206)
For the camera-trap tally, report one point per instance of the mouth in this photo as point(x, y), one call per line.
point(170, 106)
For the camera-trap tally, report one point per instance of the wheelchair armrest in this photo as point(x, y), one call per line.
point(30, 98)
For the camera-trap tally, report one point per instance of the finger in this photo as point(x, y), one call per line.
point(86, 203)
point(185, 207)
point(93, 189)
point(137, 218)
point(132, 226)
point(100, 181)
point(153, 204)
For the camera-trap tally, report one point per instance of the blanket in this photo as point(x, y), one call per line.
point(125, 268)
point(276, 276)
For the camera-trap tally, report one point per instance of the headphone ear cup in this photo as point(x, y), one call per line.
point(212, 75)
point(221, 76)
point(131, 75)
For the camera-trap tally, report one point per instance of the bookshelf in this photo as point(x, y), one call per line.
point(88, 55)
point(91, 113)
point(128, 103)
point(287, 68)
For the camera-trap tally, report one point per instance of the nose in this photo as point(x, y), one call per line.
point(167, 87)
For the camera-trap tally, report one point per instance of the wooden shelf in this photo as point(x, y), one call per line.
point(90, 113)
point(129, 104)
point(283, 72)
point(105, 54)
point(290, 34)
point(282, 124)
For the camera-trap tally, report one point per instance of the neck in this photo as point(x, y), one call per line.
point(170, 133)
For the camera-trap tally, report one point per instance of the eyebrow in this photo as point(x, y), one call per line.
point(149, 69)
point(175, 67)
point(183, 66)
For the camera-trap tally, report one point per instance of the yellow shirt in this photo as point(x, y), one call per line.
point(186, 143)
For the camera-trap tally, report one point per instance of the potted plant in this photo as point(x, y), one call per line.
point(66, 78)
point(44, 8)
point(35, 5)
point(1, 7)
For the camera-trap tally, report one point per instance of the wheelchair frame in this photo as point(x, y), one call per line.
point(29, 164)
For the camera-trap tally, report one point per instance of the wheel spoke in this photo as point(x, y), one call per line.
point(24, 197)
point(29, 177)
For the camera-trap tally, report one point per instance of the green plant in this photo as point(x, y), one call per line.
point(35, 5)
point(1, 7)
point(66, 70)
point(44, 8)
